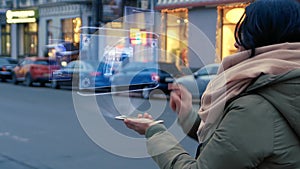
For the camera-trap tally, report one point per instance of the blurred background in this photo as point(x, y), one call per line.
point(45, 49)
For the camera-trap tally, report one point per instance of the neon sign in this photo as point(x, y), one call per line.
point(21, 16)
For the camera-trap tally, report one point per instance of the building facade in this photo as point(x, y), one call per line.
point(216, 19)
point(5, 33)
point(32, 27)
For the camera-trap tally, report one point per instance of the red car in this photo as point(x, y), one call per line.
point(34, 69)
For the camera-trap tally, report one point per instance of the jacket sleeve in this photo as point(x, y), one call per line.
point(190, 124)
point(243, 139)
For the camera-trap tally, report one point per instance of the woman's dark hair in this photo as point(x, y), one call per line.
point(267, 22)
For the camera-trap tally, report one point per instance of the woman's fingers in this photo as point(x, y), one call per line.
point(175, 101)
point(147, 116)
point(180, 99)
point(172, 102)
point(139, 125)
point(173, 86)
point(129, 124)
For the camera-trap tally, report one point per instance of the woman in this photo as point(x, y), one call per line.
point(250, 113)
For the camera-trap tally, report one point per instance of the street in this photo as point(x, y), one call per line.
point(44, 128)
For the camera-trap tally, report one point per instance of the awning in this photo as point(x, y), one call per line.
point(171, 4)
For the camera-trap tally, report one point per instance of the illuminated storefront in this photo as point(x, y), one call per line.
point(60, 29)
point(5, 35)
point(130, 36)
point(229, 15)
point(30, 39)
point(66, 22)
point(71, 30)
point(5, 40)
point(24, 24)
point(175, 41)
point(30, 27)
point(216, 19)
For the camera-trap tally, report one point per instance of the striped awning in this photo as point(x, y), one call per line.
point(171, 4)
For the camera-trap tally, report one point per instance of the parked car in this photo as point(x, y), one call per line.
point(34, 69)
point(197, 82)
point(63, 51)
point(145, 77)
point(80, 74)
point(102, 76)
point(6, 66)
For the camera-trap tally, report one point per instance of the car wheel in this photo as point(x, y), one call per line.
point(146, 93)
point(14, 79)
point(42, 84)
point(28, 80)
point(85, 82)
point(54, 84)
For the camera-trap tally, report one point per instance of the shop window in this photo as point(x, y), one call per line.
point(31, 39)
point(35, 2)
point(5, 40)
point(71, 30)
point(133, 3)
point(112, 10)
point(9, 3)
point(175, 43)
point(49, 31)
point(228, 16)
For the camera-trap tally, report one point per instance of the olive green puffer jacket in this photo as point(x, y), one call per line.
point(261, 129)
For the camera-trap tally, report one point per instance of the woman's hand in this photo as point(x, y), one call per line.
point(141, 123)
point(180, 100)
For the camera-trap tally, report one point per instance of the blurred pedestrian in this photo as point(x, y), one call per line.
point(250, 113)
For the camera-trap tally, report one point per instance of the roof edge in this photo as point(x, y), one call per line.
point(198, 4)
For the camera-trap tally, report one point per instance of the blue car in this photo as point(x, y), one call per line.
point(144, 77)
point(80, 75)
point(102, 76)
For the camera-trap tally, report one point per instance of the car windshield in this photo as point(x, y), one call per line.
point(3, 62)
point(70, 46)
point(45, 62)
point(138, 66)
point(8, 61)
point(208, 70)
point(79, 65)
point(169, 68)
point(11, 61)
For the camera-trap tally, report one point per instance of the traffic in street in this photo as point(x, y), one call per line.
point(43, 128)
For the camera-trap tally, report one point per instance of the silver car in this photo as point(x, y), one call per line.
point(197, 82)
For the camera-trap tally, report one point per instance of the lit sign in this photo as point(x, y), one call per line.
point(138, 37)
point(18, 16)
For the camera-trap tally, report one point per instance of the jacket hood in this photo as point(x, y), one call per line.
point(283, 92)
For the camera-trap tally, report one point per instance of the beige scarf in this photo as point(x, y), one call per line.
point(235, 75)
